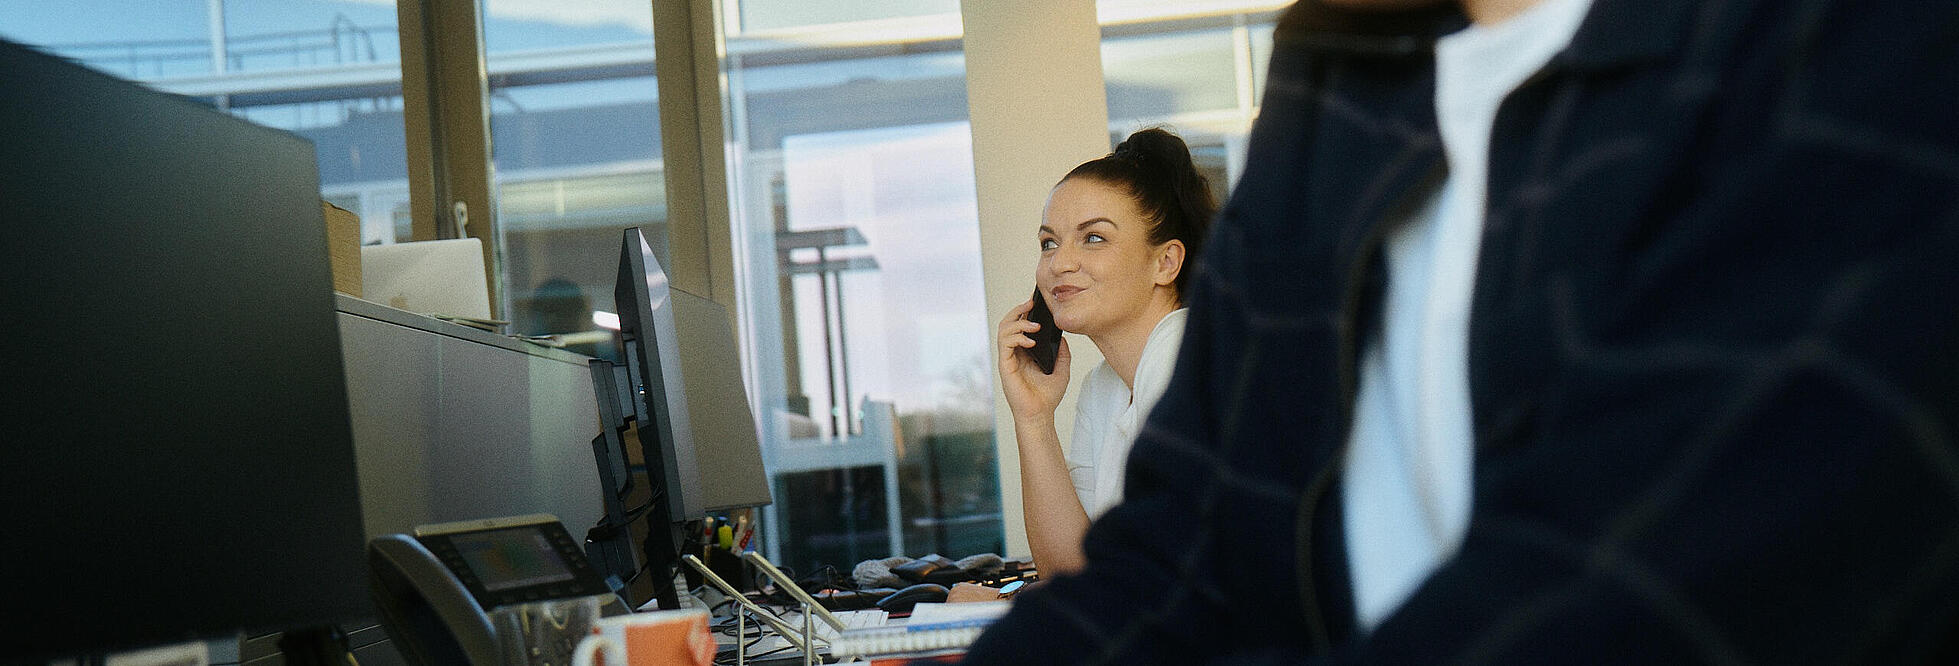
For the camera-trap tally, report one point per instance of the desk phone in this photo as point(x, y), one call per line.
point(468, 592)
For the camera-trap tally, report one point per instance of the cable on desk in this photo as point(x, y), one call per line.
point(605, 527)
point(744, 649)
point(752, 657)
point(763, 630)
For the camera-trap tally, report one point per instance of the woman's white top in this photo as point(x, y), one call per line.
point(1107, 417)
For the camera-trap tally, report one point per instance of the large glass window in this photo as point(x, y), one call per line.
point(1162, 75)
point(132, 39)
point(575, 140)
point(857, 227)
point(326, 70)
point(1196, 69)
point(766, 15)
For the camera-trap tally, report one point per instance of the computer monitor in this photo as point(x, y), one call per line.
point(179, 463)
point(727, 449)
point(649, 349)
point(696, 430)
point(609, 544)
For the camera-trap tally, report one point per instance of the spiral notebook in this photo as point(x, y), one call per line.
point(932, 629)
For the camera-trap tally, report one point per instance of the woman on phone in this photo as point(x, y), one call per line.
point(1118, 238)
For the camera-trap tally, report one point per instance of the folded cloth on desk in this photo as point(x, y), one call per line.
point(877, 573)
point(885, 572)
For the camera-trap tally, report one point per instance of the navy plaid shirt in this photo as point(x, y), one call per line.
point(1714, 356)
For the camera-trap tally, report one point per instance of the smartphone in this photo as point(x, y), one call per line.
point(1047, 341)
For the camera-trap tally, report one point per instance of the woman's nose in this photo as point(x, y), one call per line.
point(1063, 260)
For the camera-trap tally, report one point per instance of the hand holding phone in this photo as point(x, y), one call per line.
point(1047, 341)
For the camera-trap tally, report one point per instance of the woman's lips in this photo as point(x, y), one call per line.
point(1064, 292)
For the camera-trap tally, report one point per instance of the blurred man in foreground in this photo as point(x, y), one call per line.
point(1559, 330)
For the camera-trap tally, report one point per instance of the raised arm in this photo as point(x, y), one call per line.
point(1053, 512)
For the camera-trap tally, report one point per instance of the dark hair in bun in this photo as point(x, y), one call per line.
point(1154, 166)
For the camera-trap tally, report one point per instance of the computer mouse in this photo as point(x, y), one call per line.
point(902, 600)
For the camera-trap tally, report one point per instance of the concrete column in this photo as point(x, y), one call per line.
point(1035, 91)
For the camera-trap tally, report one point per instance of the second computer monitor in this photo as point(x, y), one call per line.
point(649, 348)
point(727, 451)
point(696, 432)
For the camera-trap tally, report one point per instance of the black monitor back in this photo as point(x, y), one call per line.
point(727, 450)
point(178, 460)
point(649, 347)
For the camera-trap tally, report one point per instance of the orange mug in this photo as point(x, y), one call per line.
point(659, 638)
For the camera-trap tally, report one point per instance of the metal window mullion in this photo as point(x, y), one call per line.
point(446, 117)
point(687, 47)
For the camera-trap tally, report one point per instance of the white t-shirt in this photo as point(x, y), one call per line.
point(1107, 420)
point(1410, 458)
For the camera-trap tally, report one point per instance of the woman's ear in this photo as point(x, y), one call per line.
point(1169, 262)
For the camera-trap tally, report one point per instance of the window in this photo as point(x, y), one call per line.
point(327, 71)
point(766, 15)
point(575, 141)
point(858, 232)
point(1198, 74)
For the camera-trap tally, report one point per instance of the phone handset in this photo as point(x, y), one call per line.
point(439, 620)
point(1047, 341)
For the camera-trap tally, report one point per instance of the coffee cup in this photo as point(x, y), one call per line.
point(659, 638)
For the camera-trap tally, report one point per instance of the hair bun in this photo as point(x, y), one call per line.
point(1155, 144)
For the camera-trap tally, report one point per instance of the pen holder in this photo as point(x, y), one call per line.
point(730, 567)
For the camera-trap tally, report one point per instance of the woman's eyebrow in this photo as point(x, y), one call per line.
point(1045, 229)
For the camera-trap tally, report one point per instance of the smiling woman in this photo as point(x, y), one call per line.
point(1117, 240)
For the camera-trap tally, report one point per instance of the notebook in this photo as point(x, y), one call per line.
point(933, 629)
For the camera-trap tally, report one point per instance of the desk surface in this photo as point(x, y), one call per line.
point(372, 310)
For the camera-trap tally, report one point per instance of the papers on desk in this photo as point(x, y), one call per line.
point(929, 613)
point(932, 629)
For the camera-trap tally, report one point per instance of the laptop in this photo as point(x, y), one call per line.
point(441, 277)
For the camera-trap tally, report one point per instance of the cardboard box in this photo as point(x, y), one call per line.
point(344, 248)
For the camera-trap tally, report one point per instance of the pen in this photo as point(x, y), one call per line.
point(707, 538)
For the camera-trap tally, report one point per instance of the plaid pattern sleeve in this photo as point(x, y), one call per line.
point(1714, 359)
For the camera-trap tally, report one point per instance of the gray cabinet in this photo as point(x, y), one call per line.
point(452, 423)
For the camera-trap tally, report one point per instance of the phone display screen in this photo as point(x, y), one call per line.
point(507, 559)
point(506, 564)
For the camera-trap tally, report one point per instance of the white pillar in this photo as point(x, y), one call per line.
point(1035, 91)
